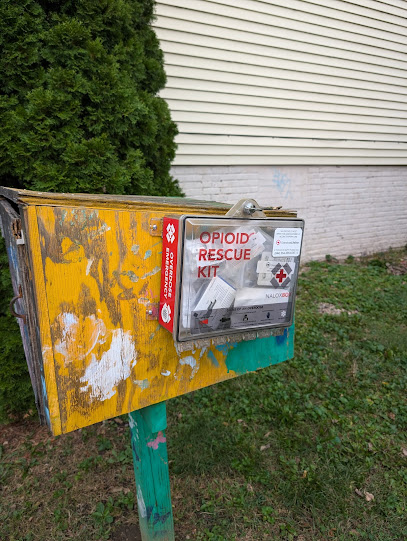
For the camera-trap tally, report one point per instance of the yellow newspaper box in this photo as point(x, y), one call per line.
point(86, 273)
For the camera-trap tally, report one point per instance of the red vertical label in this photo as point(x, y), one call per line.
point(169, 273)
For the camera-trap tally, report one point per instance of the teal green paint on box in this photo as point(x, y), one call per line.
point(254, 354)
point(214, 360)
point(156, 417)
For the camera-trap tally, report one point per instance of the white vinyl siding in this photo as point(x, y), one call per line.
point(286, 81)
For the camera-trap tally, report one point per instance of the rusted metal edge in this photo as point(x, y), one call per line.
point(243, 336)
point(44, 198)
point(178, 204)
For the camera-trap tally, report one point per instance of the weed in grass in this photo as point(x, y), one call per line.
point(123, 456)
point(103, 518)
point(91, 463)
point(104, 444)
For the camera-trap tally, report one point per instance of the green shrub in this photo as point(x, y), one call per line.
point(79, 112)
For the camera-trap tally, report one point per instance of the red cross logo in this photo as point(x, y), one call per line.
point(281, 276)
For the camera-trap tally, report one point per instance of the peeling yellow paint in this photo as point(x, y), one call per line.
point(96, 268)
point(101, 344)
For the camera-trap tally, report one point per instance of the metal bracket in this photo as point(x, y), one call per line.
point(152, 311)
point(248, 208)
point(18, 233)
point(199, 343)
point(156, 227)
point(22, 240)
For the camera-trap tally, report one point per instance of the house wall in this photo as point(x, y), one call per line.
point(286, 82)
point(299, 103)
point(347, 209)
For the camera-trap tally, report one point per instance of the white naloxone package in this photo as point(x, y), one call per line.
point(227, 275)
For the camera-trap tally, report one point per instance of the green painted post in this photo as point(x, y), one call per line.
point(148, 442)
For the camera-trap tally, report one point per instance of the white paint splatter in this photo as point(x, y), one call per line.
point(61, 348)
point(166, 373)
point(191, 361)
point(69, 324)
point(88, 266)
point(140, 503)
point(102, 229)
point(135, 248)
point(45, 350)
point(102, 376)
point(151, 273)
point(69, 321)
point(188, 360)
point(98, 333)
point(132, 423)
point(132, 275)
point(134, 429)
point(142, 383)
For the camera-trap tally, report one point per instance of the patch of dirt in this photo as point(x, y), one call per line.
point(14, 434)
point(398, 269)
point(126, 532)
point(332, 310)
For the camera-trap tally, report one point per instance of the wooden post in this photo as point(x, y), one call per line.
point(148, 442)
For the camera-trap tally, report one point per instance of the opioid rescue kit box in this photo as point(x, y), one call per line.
point(224, 275)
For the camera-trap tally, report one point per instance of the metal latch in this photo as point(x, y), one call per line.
point(13, 300)
point(250, 208)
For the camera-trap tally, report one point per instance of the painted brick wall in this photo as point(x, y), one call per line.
point(347, 209)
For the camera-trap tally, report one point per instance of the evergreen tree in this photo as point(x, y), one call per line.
point(79, 110)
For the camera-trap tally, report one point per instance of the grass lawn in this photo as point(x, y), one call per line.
point(312, 449)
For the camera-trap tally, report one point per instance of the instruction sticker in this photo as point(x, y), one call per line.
point(258, 306)
point(287, 242)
